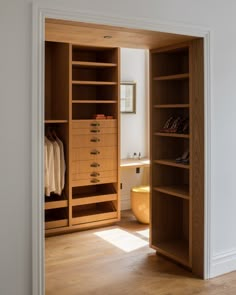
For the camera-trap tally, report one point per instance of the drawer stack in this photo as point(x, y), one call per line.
point(94, 152)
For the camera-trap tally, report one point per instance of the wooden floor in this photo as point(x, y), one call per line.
point(86, 263)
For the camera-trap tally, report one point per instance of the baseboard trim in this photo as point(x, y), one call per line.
point(223, 263)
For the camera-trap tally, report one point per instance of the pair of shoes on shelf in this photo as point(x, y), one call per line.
point(184, 159)
point(184, 126)
point(176, 125)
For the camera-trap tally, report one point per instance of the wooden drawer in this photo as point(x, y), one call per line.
point(93, 130)
point(106, 140)
point(94, 123)
point(94, 174)
point(94, 180)
point(95, 154)
point(91, 166)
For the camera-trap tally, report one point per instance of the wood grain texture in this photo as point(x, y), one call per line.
point(197, 158)
point(83, 263)
point(93, 35)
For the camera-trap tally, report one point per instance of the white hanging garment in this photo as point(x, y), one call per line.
point(57, 171)
point(62, 164)
point(49, 176)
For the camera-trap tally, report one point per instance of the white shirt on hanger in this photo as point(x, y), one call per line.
point(57, 170)
point(62, 163)
point(49, 176)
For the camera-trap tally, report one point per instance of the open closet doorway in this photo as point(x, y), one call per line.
point(82, 111)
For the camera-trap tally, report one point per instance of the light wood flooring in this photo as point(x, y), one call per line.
point(84, 263)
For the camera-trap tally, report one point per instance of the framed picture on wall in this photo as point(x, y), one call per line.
point(128, 97)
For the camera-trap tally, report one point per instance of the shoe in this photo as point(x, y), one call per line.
point(183, 126)
point(184, 158)
point(175, 125)
point(167, 124)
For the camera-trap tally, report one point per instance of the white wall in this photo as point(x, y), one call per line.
point(134, 127)
point(15, 124)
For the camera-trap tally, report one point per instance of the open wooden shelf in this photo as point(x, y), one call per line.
point(171, 106)
point(93, 83)
point(91, 199)
point(89, 64)
point(94, 101)
point(53, 204)
point(55, 121)
point(56, 218)
point(171, 162)
point(177, 250)
point(180, 135)
point(93, 212)
point(181, 191)
point(172, 77)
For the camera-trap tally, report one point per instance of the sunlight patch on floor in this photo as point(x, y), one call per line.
point(144, 233)
point(122, 239)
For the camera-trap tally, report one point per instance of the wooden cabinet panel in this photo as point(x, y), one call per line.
point(105, 140)
point(91, 166)
point(96, 153)
point(94, 123)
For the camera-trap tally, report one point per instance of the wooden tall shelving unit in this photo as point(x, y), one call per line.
point(81, 82)
point(176, 201)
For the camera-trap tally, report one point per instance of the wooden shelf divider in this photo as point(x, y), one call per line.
point(181, 191)
point(180, 135)
point(177, 250)
point(171, 106)
point(88, 64)
point(94, 101)
point(171, 162)
point(172, 77)
point(55, 121)
point(93, 83)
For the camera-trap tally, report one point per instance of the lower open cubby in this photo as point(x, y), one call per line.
point(170, 227)
point(56, 218)
point(94, 212)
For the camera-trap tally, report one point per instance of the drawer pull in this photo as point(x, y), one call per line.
point(95, 180)
point(95, 130)
point(95, 152)
point(95, 139)
point(95, 124)
point(94, 174)
point(95, 165)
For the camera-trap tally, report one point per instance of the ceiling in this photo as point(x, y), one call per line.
point(93, 35)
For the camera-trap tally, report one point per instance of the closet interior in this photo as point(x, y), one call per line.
point(82, 82)
point(81, 107)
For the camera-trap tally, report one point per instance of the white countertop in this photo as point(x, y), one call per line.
point(134, 162)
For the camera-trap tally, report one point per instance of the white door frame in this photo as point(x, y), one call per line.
point(50, 10)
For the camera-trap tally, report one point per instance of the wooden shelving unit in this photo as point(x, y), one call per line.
point(57, 118)
point(80, 83)
point(95, 143)
point(175, 195)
